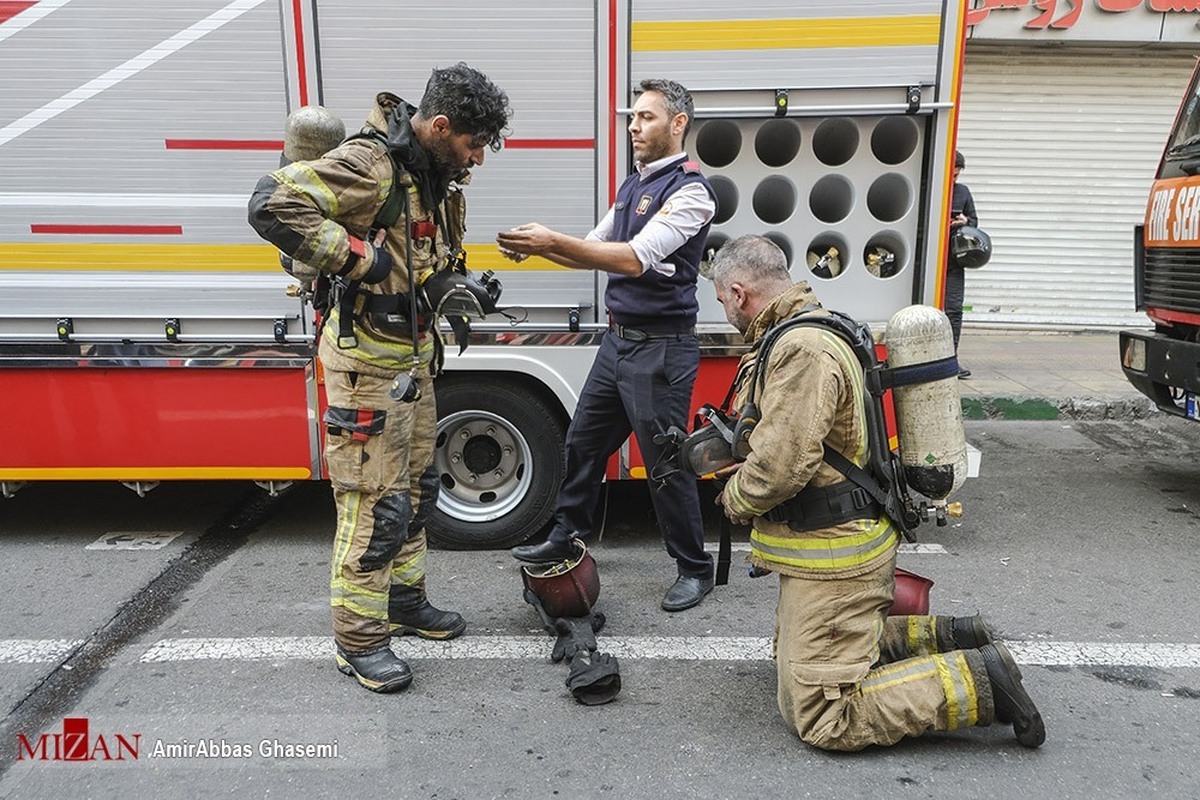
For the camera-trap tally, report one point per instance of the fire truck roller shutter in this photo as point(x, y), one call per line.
point(499, 461)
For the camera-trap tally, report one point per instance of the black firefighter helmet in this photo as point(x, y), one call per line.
point(972, 248)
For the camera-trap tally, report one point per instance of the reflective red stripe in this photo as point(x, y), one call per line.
point(549, 144)
point(225, 144)
point(10, 8)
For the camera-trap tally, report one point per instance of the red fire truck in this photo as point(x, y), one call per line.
point(147, 335)
point(1164, 364)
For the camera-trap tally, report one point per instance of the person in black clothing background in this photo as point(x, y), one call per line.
point(962, 212)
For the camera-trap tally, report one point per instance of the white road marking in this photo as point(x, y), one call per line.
point(29, 16)
point(681, 648)
point(920, 548)
point(36, 651)
point(130, 68)
point(134, 540)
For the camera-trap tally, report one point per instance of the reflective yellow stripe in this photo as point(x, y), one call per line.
point(372, 611)
point(897, 674)
point(101, 256)
point(834, 553)
point(390, 355)
point(962, 703)
point(778, 34)
point(304, 181)
point(411, 572)
point(344, 537)
point(737, 500)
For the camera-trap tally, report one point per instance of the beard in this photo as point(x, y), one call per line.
point(444, 159)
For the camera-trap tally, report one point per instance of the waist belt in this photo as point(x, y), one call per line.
point(636, 335)
point(387, 310)
point(820, 507)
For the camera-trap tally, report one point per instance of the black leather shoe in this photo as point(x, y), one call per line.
point(548, 552)
point(377, 669)
point(1013, 704)
point(964, 373)
point(686, 592)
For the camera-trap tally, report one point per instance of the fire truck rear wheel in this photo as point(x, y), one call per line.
point(499, 460)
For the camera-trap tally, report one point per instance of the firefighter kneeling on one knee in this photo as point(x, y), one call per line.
point(383, 215)
point(849, 675)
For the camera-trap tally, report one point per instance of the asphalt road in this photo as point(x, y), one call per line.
point(1081, 543)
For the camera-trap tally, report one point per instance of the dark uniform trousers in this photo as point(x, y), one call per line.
point(644, 387)
point(956, 280)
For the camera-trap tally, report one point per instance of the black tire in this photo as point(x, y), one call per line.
point(499, 456)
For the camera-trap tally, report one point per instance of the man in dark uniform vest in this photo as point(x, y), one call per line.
point(650, 243)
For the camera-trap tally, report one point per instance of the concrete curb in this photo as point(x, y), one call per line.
point(1040, 408)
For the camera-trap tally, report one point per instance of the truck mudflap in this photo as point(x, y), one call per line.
point(1164, 369)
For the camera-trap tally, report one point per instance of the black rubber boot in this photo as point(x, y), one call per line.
point(377, 669)
point(971, 633)
point(1013, 704)
point(409, 612)
point(962, 633)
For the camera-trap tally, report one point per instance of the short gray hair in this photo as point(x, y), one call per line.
point(677, 99)
point(752, 260)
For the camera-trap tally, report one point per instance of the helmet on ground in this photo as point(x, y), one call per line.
point(971, 247)
point(567, 589)
point(912, 594)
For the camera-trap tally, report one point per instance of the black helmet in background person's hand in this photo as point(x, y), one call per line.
point(970, 246)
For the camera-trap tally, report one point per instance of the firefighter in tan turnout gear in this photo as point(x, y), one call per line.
point(384, 205)
point(849, 676)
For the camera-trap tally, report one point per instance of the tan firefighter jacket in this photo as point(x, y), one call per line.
point(310, 209)
point(813, 394)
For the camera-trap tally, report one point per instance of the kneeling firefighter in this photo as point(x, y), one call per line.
point(826, 516)
point(383, 216)
point(564, 596)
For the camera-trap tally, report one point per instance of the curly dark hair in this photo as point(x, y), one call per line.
point(471, 102)
point(677, 99)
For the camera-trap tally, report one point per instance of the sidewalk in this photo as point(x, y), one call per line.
point(1046, 375)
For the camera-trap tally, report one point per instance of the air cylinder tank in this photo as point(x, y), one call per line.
point(310, 132)
point(933, 448)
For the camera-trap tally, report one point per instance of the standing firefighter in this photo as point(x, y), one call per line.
point(381, 213)
point(849, 676)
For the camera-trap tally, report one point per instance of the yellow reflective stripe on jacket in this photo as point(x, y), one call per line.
point(826, 552)
point(303, 180)
point(737, 502)
point(395, 356)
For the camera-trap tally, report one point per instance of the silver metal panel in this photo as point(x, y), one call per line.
point(825, 68)
point(851, 182)
point(226, 84)
point(829, 66)
point(542, 53)
point(107, 305)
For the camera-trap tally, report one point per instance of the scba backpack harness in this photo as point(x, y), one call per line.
point(721, 438)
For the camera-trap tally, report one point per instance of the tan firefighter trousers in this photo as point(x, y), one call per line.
point(379, 454)
point(834, 689)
